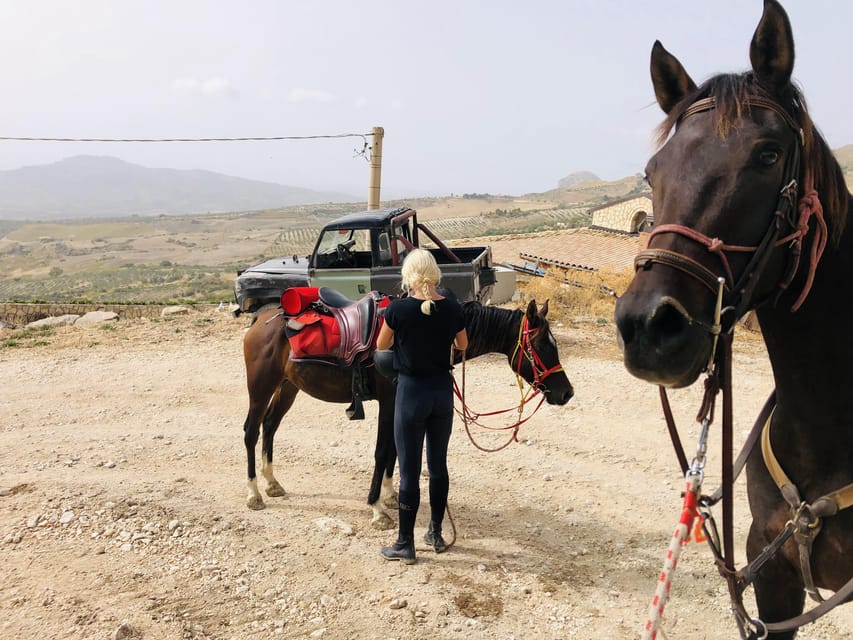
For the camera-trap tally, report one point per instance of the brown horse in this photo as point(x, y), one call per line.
point(737, 189)
point(274, 380)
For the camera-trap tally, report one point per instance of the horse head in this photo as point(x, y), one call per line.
point(536, 359)
point(738, 159)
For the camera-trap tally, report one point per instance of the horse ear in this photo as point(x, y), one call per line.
point(531, 313)
point(669, 78)
point(543, 310)
point(771, 51)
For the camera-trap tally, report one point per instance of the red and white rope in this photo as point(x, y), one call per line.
point(679, 538)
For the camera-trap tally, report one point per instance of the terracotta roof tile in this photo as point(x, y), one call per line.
point(585, 248)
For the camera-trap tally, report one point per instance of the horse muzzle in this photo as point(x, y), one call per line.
point(560, 394)
point(661, 343)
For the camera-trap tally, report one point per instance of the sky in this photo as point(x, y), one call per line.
point(500, 96)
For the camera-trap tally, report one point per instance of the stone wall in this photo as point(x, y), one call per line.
point(623, 216)
point(19, 314)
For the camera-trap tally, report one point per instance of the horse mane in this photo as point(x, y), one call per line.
point(732, 92)
point(482, 322)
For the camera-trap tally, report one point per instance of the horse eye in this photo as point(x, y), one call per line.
point(768, 157)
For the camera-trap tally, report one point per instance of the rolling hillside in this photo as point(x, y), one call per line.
point(103, 186)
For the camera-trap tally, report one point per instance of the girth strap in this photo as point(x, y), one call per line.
point(806, 518)
point(827, 505)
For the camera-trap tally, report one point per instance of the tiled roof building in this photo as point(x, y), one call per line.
point(619, 230)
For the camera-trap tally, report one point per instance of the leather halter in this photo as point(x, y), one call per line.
point(784, 217)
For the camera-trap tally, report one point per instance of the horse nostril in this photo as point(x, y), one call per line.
point(626, 328)
point(666, 322)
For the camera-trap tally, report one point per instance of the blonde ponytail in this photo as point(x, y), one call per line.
point(429, 303)
point(420, 272)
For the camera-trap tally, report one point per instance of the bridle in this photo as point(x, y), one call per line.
point(804, 523)
point(787, 216)
point(524, 350)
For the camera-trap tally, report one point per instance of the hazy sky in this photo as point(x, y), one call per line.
point(504, 96)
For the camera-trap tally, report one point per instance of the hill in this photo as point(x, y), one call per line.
point(103, 186)
point(845, 157)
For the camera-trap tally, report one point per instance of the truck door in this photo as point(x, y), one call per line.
point(343, 261)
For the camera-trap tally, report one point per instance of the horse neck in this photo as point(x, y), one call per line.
point(810, 350)
point(492, 330)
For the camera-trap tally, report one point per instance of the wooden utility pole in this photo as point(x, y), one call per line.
point(375, 169)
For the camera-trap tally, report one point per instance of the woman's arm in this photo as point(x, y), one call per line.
point(386, 337)
point(460, 342)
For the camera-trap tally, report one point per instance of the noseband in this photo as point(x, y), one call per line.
point(785, 217)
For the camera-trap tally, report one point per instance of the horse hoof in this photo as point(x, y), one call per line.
point(383, 522)
point(255, 503)
point(275, 490)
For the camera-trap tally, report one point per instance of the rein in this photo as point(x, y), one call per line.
point(804, 524)
point(523, 350)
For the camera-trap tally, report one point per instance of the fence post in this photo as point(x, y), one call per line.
point(375, 169)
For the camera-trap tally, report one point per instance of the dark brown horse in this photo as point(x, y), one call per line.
point(737, 190)
point(274, 380)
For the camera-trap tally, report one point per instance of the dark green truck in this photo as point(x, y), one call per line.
point(362, 252)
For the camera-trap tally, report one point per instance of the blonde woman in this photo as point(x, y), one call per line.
point(422, 328)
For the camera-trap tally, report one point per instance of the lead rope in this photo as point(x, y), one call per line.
point(693, 478)
point(539, 372)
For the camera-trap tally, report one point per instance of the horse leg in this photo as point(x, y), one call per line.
point(382, 498)
point(251, 431)
point(280, 405)
point(779, 592)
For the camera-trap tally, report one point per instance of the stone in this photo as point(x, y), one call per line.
point(126, 631)
point(174, 311)
point(54, 321)
point(333, 524)
point(96, 317)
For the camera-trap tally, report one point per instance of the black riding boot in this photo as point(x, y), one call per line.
point(438, 488)
point(404, 548)
point(433, 537)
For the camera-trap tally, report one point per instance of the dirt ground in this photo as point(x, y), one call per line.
point(122, 502)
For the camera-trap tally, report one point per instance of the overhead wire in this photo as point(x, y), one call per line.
point(363, 152)
point(363, 136)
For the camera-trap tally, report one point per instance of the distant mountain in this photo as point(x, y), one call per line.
point(845, 157)
point(102, 186)
point(579, 177)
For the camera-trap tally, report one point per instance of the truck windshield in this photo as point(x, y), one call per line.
point(343, 247)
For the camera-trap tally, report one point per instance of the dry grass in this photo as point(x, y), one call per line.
point(589, 296)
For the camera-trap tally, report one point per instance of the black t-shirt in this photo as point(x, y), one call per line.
point(422, 342)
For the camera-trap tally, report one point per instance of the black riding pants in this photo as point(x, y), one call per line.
point(423, 410)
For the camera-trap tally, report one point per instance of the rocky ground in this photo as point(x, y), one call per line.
point(122, 502)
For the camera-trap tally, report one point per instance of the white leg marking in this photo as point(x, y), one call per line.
point(387, 495)
point(274, 489)
point(254, 501)
point(386, 501)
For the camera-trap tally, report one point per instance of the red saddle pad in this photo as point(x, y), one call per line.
point(320, 337)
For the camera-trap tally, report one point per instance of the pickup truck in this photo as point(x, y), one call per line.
point(362, 252)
